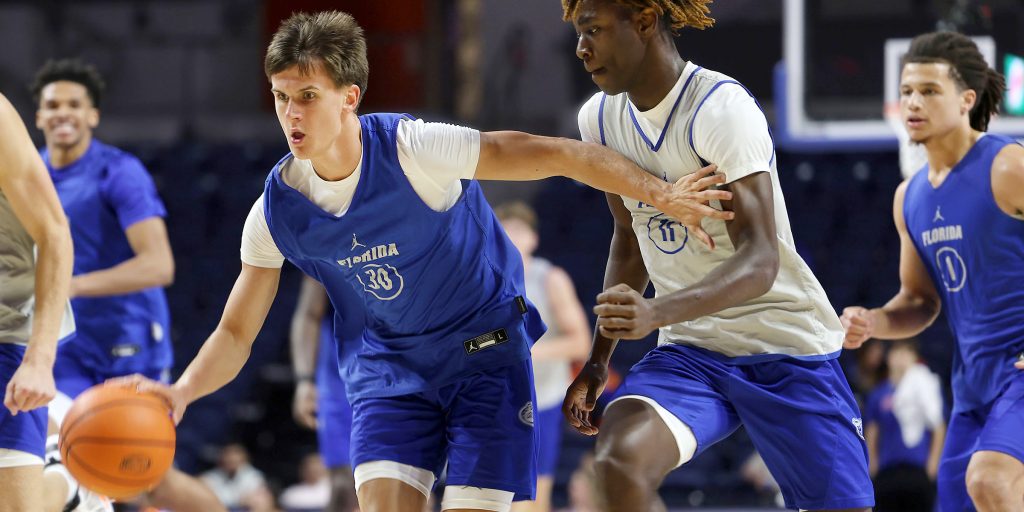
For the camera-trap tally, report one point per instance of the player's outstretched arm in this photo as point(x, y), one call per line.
point(304, 339)
point(227, 349)
point(749, 273)
point(625, 267)
point(516, 156)
point(27, 186)
point(913, 308)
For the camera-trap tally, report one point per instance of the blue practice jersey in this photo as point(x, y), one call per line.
point(103, 193)
point(975, 254)
point(443, 291)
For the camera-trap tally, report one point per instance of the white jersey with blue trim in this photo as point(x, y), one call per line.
point(708, 117)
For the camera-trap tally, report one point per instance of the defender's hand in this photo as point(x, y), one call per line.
point(623, 313)
point(689, 202)
point(581, 397)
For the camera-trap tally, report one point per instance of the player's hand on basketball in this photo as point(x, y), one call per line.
point(623, 313)
point(859, 324)
point(173, 395)
point(31, 387)
point(690, 201)
point(581, 397)
point(304, 404)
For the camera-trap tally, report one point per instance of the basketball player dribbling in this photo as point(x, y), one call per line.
point(747, 335)
point(961, 225)
point(377, 204)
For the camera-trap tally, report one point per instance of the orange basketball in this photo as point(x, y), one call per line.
point(116, 441)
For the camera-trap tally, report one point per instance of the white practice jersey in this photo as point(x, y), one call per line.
point(710, 118)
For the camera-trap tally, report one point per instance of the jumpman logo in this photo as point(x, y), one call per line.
point(938, 214)
point(355, 243)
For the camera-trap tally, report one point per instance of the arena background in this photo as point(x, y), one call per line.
point(187, 94)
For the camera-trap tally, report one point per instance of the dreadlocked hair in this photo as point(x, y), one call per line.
point(967, 67)
point(677, 14)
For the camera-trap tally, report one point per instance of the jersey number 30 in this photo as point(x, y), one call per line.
point(381, 281)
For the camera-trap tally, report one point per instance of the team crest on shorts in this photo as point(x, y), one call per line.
point(859, 425)
point(526, 414)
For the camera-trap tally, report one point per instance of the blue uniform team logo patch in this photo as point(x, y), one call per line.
point(859, 425)
point(526, 414)
point(668, 235)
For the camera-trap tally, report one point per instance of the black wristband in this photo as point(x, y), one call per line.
point(304, 378)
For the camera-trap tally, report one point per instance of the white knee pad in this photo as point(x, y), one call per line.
point(462, 496)
point(419, 478)
point(685, 440)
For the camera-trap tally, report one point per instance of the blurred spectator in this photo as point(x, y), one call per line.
point(236, 483)
point(905, 430)
point(755, 472)
point(870, 368)
point(314, 488)
point(583, 497)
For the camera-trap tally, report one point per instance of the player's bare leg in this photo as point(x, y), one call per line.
point(633, 456)
point(995, 482)
point(21, 488)
point(389, 495)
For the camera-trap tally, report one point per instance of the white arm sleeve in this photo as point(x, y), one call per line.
point(730, 130)
point(258, 247)
point(588, 120)
point(435, 156)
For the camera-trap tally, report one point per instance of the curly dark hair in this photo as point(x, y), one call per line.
point(676, 13)
point(71, 70)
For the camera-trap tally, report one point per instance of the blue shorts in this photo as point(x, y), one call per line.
point(334, 426)
point(801, 417)
point(25, 432)
point(549, 439)
point(74, 376)
point(481, 425)
point(995, 427)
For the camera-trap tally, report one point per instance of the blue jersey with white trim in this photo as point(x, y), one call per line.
point(974, 253)
point(443, 291)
